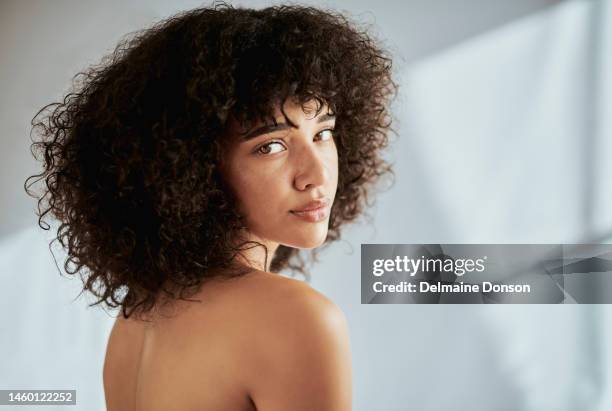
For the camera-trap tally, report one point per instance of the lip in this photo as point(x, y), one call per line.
point(313, 205)
point(313, 211)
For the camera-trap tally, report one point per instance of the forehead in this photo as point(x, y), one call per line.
point(292, 112)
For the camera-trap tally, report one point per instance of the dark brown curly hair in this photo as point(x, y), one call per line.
point(131, 154)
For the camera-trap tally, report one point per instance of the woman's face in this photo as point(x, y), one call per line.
point(276, 171)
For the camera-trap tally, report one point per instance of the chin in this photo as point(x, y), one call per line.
point(310, 240)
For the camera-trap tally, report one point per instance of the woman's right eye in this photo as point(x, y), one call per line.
point(267, 150)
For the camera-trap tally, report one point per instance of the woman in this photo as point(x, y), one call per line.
point(189, 167)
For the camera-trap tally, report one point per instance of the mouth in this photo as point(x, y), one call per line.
point(312, 215)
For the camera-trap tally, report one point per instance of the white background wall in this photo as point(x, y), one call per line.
point(503, 137)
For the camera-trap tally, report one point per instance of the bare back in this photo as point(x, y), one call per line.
point(160, 364)
point(201, 356)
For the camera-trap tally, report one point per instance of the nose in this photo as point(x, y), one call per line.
point(312, 170)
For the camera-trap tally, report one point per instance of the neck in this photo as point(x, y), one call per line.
point(253, 253)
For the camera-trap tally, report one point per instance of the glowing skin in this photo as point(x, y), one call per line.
point(280, 169)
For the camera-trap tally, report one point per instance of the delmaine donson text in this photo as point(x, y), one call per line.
point(456, 266)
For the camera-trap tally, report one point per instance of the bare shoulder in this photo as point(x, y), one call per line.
point(299, 351)
point(299, 303)
point(281, 304)
point(259, 291)
point(269, 338)
point(121, 363)
point(276, 289)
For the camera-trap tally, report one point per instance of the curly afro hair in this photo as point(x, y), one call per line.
point(131, 154)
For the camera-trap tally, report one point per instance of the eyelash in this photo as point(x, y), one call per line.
point(258, 149)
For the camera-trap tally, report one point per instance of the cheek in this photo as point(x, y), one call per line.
point(257, 191)
point(333, 167)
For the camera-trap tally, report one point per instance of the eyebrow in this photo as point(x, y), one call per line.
point(279, 127)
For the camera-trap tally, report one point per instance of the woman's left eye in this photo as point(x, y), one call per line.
point(326, 134)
